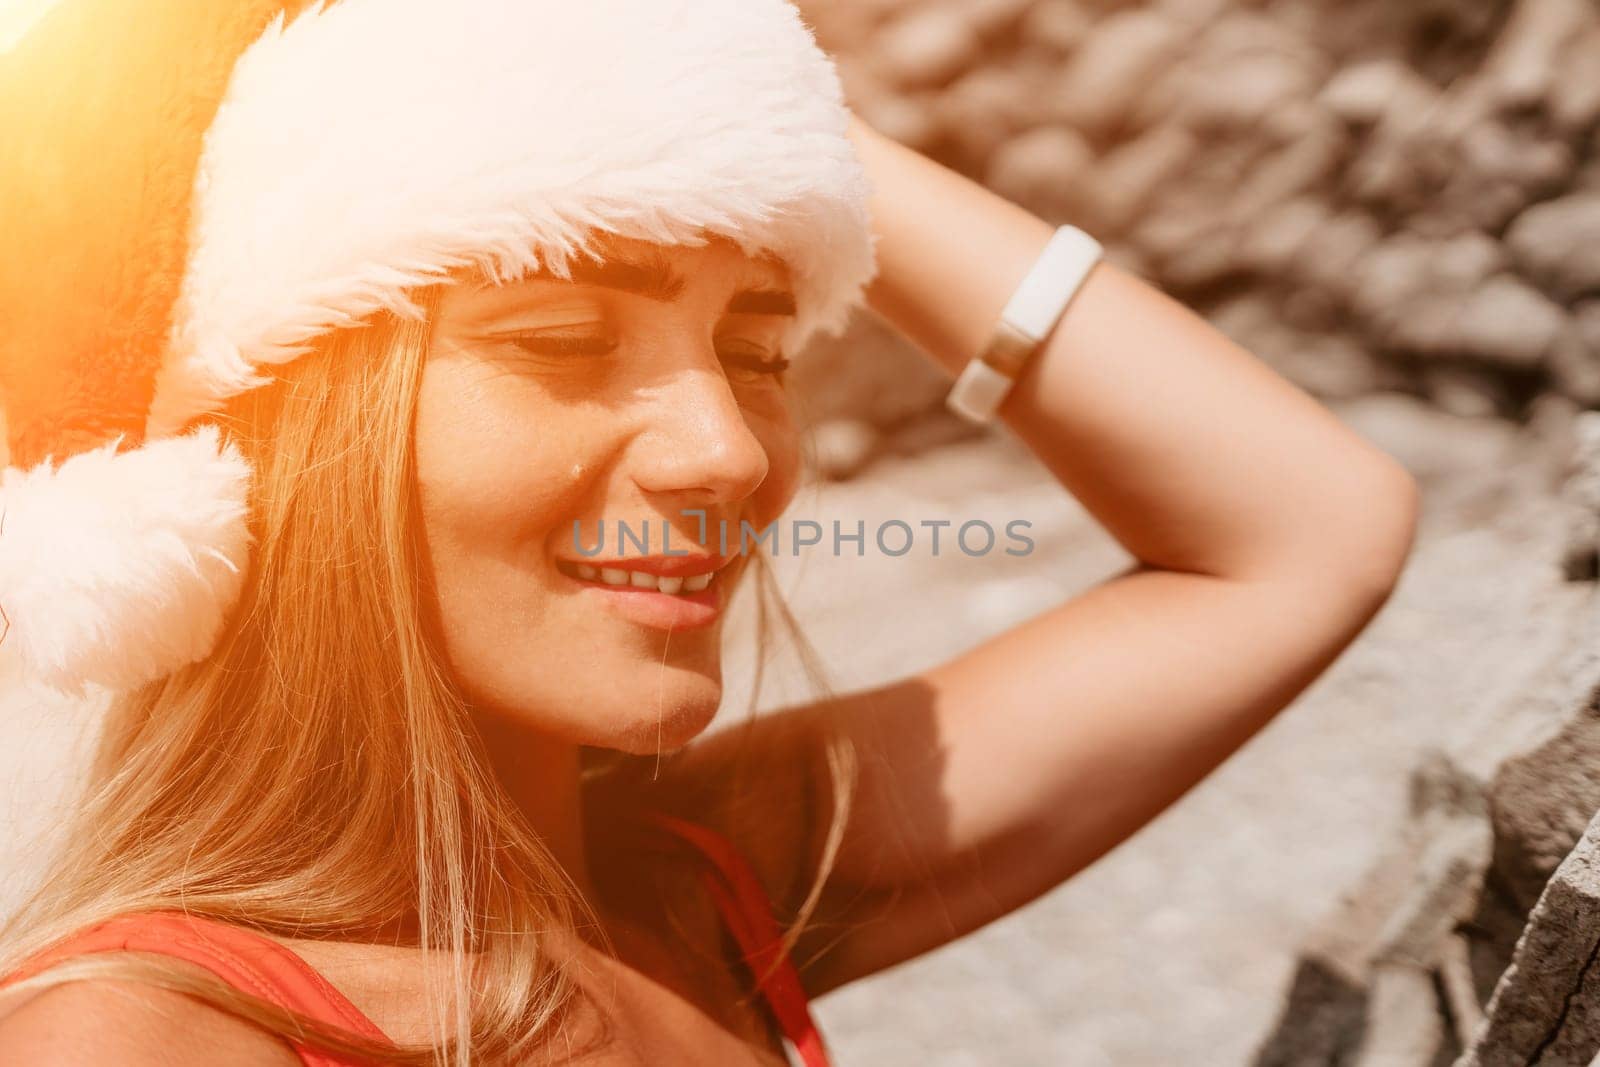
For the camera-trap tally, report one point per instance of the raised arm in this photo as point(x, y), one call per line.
point(1267, 533)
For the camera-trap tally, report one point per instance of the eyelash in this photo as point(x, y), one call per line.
point(593, 346)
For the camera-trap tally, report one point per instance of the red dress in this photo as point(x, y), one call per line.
point(269, 970)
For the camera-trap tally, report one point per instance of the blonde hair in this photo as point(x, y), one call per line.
point(318, 775)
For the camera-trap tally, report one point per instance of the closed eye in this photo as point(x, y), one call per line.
point(551, 345)
point(557, 345)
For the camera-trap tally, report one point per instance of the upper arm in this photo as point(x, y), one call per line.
point(989, 779)
point(91, 1022)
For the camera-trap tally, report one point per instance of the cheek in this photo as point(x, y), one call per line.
point(781, 440)
point(487, 474)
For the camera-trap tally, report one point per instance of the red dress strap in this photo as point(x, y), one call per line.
point(739, 896)
point(250, 962)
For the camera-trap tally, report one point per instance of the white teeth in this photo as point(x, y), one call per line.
point(642, 579)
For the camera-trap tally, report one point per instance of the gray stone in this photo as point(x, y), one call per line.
point(1128, 176)
point(985, 107)
point(1521, 68)
point(1402, 1024)
point(1586, 319)
point(1365, 92)
point(1467, 392)
point(1557, 243)
point(1042, 169)
point(1237, 92)
point(1543, 800)
point(1544, 1008)
point(843, 446)
point(1280, 233)
point(1580, 491)
point(1057, 26)
point(1335, 367)
point(990, 18)
point(1434, 297)
point(1113, 68)
point(926, 46)
point(904, 118)
point(1394, 276)
point(1574, 365)
point(1575, 90)
point(1338, 251)
point(1300, 166)
point(1498, 172)
point(1508, 321)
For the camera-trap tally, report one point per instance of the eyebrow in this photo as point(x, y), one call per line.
point(654, 278)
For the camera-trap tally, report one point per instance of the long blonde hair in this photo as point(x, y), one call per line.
point(318, 775)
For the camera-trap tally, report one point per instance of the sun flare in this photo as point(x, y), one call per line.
point(17, 18)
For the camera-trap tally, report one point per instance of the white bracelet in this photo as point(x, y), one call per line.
point(1027, 319)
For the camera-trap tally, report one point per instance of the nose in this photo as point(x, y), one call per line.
point(699, 444)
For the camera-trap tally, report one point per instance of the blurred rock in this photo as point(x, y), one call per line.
point(1274, 240)
point(995, 18)
point(1112, 68)
point(1508, 321)
point(1493, 814)
point(985, 108)
point(926, 46)
point(1468, 392)
point(1338, 251)
point(843, 446)
point(1523, 63)
point(1574, 363)
point(1365, 92)
point(1372, 198)
point(1575, 88)
point(1044, 170)
point(1396, 292)
point(1557, 243)
point(1126, 178)
point(1056, 26)
point(1228, 143)
point(1586, 320)
point(1310, 158)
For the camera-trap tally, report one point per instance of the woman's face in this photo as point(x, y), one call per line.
point(626, 395)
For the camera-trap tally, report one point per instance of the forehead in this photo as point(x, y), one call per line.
point(759, 283)
point(764, 267)
point(763, 270)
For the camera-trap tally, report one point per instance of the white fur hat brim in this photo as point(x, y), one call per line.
point(367, 148)
point(372, 146)
point(120, 567)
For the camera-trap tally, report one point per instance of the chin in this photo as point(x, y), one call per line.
point(646, 731)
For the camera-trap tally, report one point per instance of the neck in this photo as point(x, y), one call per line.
point(540, 774)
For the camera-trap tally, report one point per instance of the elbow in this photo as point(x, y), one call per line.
point(1375, 551)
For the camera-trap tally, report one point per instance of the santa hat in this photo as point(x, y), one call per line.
point(193, 192)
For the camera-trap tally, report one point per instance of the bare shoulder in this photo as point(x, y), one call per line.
point(100, 1021)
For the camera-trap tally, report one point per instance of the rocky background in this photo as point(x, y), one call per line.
point(1396, 204)
point(1371, 195)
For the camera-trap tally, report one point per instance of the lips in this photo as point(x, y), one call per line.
point(664, 602)
point(677, 565)
point(638, 574)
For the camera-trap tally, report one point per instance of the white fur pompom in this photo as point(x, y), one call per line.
point(116, 569)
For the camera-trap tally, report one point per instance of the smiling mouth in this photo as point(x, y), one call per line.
point(618, 577)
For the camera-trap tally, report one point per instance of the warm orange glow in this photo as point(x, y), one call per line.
point(17, 18)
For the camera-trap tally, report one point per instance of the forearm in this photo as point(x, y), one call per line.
point(1191, 452)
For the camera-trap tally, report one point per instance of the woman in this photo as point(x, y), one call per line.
point(434, 788)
